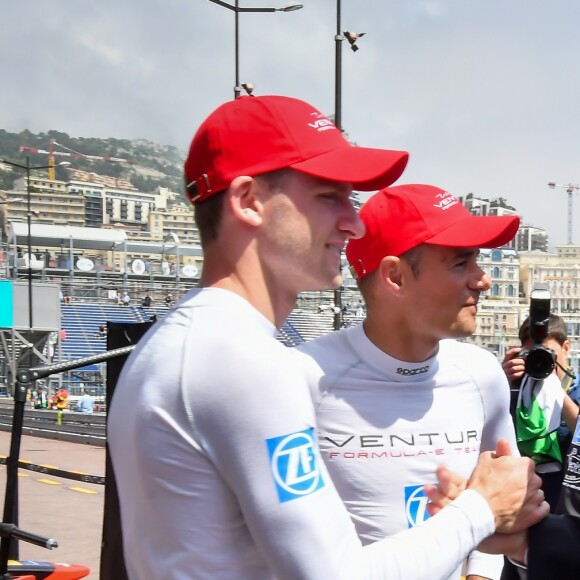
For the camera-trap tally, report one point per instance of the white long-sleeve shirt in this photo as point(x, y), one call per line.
point(385, 425)
point(212, 433)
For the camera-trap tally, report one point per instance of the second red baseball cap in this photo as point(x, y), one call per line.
point(254, 135)
point(401, 217)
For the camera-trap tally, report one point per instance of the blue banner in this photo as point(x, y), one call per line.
point(6, 304)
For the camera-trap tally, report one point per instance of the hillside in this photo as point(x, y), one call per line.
point(149, 164)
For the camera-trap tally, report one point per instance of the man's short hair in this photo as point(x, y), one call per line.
point(413, 258)
point(208, 213)
point(208, 217)
point(556, 330)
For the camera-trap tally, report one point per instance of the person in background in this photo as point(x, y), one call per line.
point(550, 469)
point(86, 402)
point(102, 332)
point(212, 429)
point(39, 398)
point(394, 398)
point(59, 400)
point(146, 301)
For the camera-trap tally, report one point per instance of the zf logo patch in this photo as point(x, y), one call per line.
point(294, 464)
point(416, 505)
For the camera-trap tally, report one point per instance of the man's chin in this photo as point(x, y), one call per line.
point(333, 284)
point(461, 332)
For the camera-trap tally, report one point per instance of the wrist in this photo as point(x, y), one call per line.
point(519, 558)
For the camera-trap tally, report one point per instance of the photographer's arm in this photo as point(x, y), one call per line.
point(570, 412)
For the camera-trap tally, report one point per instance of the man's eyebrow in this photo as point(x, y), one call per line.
point(467, 252)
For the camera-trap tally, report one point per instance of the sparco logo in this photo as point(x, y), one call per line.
point(411, 372)
point(293, 461)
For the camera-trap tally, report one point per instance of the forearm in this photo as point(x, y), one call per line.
point(570, 412)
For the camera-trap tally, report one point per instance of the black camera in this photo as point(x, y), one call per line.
point(539, 360)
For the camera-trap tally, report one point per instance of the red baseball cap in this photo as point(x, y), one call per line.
point(400, 218)
point(254, 135)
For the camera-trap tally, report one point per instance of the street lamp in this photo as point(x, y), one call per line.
point(28, 169)
point(291, 7)
point(338, 38)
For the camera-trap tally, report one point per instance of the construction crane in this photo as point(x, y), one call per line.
point(68, 153)
point(569, 187)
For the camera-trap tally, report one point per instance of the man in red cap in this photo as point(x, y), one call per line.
point(212, 430)
point(394, 399)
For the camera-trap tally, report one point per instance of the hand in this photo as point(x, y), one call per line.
point(512, 545)
point(535, 507)
point(450, 486)
point(532, 508)
point(511, 487)
point(513, 365)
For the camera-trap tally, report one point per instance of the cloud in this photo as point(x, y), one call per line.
point(483, 94)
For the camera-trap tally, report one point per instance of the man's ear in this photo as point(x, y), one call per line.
point(391, 274)
point(567, 346)
point(243, 201)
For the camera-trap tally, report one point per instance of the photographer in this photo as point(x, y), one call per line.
point(513, 365)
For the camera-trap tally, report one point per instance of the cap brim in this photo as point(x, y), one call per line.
point(366, 169)
point(478, 232)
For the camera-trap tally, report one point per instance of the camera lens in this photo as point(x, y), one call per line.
point(540, 362)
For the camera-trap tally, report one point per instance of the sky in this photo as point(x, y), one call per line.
point(484, 94)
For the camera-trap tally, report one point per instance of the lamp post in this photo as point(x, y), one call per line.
point(236, 9)
point(28, 168)
point(338, 38)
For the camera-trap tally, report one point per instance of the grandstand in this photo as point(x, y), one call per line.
point(81, 322)
point(84, 264)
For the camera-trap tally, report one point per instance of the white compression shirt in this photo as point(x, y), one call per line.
point(213, 442)
point(385, 425)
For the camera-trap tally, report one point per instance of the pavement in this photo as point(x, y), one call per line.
point(64, 509)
